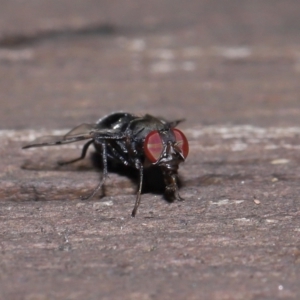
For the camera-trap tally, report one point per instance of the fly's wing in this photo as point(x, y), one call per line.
point(171, 124)
point(79, 133)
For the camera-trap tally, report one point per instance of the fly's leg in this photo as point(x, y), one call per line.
point(105, 173)
point(138, 196)
point(83, 154)
point(118, 156)
point(132, 152)
point(138, 165)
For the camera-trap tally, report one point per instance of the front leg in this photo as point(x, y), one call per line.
point(139, 166)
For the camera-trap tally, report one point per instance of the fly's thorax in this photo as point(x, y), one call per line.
point(117, 120)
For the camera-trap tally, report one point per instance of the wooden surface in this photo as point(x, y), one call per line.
point(232, 70)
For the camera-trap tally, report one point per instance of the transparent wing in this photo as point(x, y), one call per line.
point(172, 124)
point(79, 133)
point(80, 130)
point(93, 130)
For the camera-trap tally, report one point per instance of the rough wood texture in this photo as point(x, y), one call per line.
point(232, 69)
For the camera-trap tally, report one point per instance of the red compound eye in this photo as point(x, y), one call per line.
point(153, 146)
point(182, 142)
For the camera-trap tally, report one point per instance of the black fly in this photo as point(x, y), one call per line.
point(134, 141)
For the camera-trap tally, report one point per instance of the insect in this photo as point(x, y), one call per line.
point(139, 142)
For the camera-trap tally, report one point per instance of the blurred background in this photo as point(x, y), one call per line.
point(211, 62)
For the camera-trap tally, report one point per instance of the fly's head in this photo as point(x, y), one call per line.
point(167, 149)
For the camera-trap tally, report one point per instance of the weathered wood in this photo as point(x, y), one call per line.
point(236, 231)
point(232, 69)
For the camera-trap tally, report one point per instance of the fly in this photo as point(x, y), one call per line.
point(138, 142)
